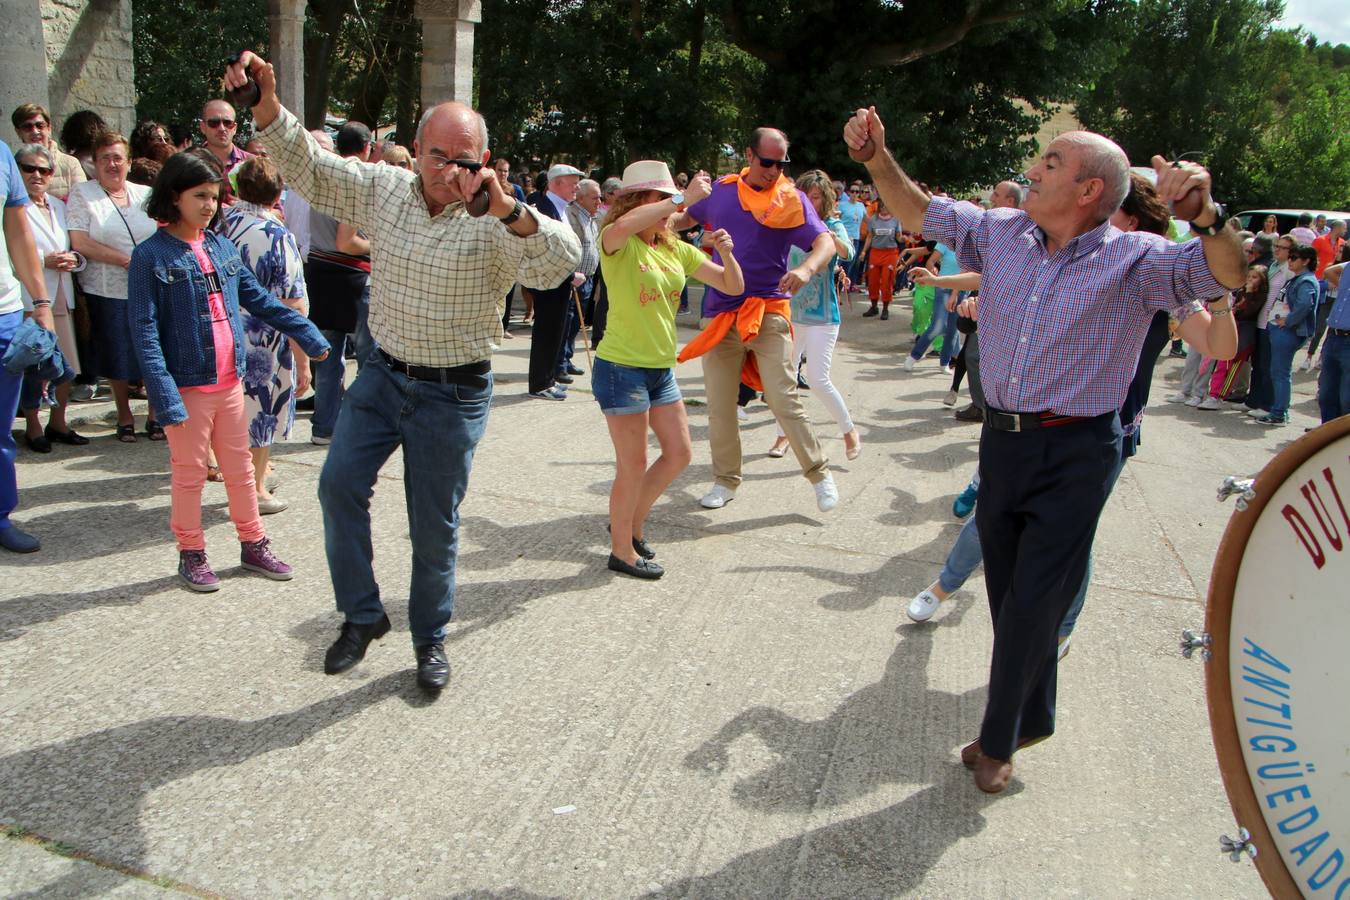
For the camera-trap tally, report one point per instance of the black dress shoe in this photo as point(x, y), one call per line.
point(643, 568)
point(575, 370)
point(433, 669)
point(305, 404)
point(65, 437)
point(563, 378)
point(643, 548)
point(38, 444)
point(350, 647)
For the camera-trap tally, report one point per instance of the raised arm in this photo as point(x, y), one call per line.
point(727, 277)
point(1212, 332)
point(1223, 251)
point(639, 219)
point(866, 139)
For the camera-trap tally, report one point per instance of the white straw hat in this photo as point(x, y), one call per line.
point(648, 175)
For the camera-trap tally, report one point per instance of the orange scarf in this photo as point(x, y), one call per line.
point(747, 320)
point(780, 206)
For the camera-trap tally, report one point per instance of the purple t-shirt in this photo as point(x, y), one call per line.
point(761, 251)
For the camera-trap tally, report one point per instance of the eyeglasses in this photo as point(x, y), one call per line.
point(772, 163)
point(437, 163)
point(219, 122)
point(44, 171)
point(111, 159)
point(36, 125)
point(1284, 246)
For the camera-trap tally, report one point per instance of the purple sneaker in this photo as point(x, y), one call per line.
point(196, 571)
point(258, 557)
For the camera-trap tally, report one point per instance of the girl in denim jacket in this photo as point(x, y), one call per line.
point(186, 286)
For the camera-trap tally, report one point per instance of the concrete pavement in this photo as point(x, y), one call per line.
point(762, 722)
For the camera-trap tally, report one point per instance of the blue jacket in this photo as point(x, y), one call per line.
point(1300, 292)
point(171, 317)
point(34, 348)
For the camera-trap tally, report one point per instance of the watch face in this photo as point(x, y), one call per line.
point(677, 199)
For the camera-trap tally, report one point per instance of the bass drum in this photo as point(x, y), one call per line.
point(1278, 681)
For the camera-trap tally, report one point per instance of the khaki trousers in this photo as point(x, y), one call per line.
point(722, 374)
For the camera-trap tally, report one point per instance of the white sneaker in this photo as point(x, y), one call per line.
point(1211, 403)
point(717, 498)
point(948, 370)
point(922, 607)
point(1194, 401)
point(827, 495)
point(1064, 643)
point(1257, 413)
point(742, 415)
point(1307, 364)
point(1239, 405)
point(909, 364)
point(320, 441)
point(1178, 397)
point(949, 398)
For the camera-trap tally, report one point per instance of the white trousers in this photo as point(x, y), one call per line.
point(816, 343)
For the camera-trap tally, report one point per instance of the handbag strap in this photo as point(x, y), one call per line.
point(125, 224)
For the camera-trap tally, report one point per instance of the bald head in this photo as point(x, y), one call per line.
point(453, 118)
point(1006, 194)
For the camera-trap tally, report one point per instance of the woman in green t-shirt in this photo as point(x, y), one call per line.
point(645, 267)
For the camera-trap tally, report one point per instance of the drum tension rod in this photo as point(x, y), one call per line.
point(1242, 487)
point(1235, 849)
point(1191, 642)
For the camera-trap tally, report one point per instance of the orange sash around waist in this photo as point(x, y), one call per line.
point(747, 319)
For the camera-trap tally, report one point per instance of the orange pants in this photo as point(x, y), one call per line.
point(215, 419)
point(881, 273)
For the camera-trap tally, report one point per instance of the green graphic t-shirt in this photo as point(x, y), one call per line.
point(644, 284)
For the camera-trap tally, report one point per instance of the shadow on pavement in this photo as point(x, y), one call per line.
point(87, 791)
point(17, 615)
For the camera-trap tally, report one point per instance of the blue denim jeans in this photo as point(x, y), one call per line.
point(330, 375)
point(1333, 385)
point(10, 385)
point(438, 427)
point(856, 266)
point(964, 557)
point(1283, 345)
point(943, 323)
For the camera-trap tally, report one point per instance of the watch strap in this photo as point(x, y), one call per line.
point(513, 214)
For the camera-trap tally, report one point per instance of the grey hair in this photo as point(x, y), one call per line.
point(1015, 191)
point(1099, 157)
point(587, 184)
point(35, 150)
point(611, 184)
point(482, 125)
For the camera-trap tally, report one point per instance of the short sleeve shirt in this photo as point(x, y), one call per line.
point(761, 251)
point(852, 213)
point(884, 233)
point(644, 284)
point(817, 301)
point(14, 194)
point(949, 265)
point(91, 210)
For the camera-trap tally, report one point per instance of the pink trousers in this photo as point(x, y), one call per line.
point(215, 419)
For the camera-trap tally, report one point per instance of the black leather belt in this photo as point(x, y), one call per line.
point(1339, 332)
point(442, 375)
point(1005, 421)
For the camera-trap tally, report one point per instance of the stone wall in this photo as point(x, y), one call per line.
point(68, 55)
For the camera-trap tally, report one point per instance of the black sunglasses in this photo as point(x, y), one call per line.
point(218, 122)
point(31, 169)
point(772, 163)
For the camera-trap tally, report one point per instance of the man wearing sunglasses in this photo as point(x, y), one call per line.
point(437, 278)
point(218, 126)
point(33, 124)
point(749, 337)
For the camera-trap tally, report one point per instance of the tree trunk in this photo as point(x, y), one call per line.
point(320, 41)
point(682, 154)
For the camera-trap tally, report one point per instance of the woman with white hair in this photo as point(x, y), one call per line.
point(47, 221)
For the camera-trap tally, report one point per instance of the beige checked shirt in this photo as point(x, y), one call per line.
point(437, 285)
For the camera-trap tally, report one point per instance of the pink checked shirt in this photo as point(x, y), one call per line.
point(1062, 332)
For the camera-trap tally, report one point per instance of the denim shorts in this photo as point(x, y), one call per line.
point(623, 390)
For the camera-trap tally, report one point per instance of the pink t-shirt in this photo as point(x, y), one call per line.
point(221, 334)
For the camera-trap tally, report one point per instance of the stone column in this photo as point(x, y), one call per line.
point(23, 65)
point(447, 49)
point(286, 26)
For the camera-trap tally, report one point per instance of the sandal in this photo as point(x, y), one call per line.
point(213, 473)
point(153, 430)
point(126, 434)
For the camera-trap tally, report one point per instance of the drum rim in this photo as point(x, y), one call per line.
point(1218, 622)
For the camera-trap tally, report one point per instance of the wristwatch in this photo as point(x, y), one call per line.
point(1219, 223)
point(513, 214)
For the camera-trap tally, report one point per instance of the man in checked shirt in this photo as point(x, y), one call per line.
point(437, 281)
point(1065, 302)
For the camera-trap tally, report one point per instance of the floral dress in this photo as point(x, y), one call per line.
point(270, 251)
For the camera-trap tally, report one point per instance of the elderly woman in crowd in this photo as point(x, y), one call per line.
point(78, 134)
point(47, 221)
point(33, 124)
point(277, 368)
point(107, 219)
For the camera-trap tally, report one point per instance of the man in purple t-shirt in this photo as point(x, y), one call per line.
point(766, 217)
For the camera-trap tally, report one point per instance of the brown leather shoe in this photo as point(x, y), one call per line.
point(971, 752)
point(992, 775)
